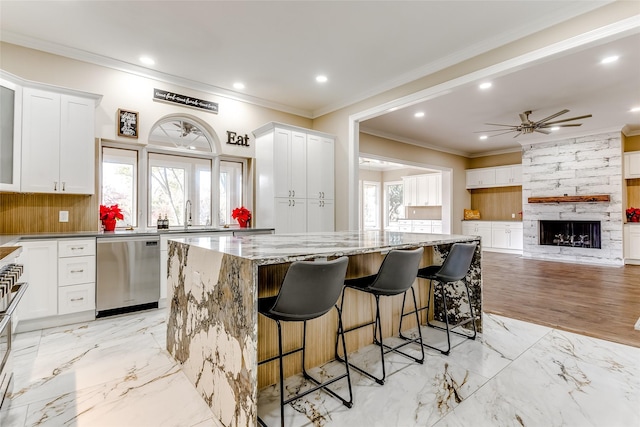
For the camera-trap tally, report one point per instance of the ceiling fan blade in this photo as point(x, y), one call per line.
point(546, 132)
point(498, 124)
point(553, 116)
point(517, 134)
point(568, 120)
point(559, 126)
point(498, 134)
point(494, 130)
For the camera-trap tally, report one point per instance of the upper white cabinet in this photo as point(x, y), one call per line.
point(501, 176)
point(422, 190)
point(58, 154)
point(10, 135)
point(294, 179)
point(632, 165)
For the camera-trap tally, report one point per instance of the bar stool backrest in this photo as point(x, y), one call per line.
point(397, 272)
point(310, 289)
point(458, 262)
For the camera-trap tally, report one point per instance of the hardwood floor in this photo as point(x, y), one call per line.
point(598, 301)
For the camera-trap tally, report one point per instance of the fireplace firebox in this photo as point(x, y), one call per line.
point(577, 234)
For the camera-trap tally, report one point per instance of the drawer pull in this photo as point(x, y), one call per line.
point(77, 248)
point(76, 271)
point(76, 299)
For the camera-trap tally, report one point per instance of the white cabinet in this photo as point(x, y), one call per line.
point(58, 147)
point(11, 135)
point(478, 228)
point(320, 215)
point(422, 190)
point(40, 260)
point(632, 165)
point(506, 235)
point(419, 226)
point(294, 172)
point(632, 243)
point(501, 176)
point(76, 276)
point(509, 175)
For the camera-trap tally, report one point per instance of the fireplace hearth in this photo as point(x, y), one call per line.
point(577, 234)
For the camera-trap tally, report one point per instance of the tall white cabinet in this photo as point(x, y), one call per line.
point(294, 179)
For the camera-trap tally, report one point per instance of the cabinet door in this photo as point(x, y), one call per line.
point(77, 145)
point(298, 165)
point(320, 215)
point(40, 260)
point(281, 160)
point(516, 175)
point(503, 176)
point(633, 242)
point(40, 142)
point(499, 238)
point(409, 190)
point(290, 215)
point(11, 136)
point(320, 170)
point(516, 238)
point(434, 183)
point(632, 165)
point(76, 270)
point(479, 178)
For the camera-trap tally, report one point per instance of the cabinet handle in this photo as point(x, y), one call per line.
point(55, 185)
point(76, 299)
point(289, 193)
point(294, 193)
point(323, 194)
point(294, 203)
point(76, 271)
point(289, 202)
point(77, 248)
point(63, 186)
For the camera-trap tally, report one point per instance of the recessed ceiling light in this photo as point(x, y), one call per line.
point(419, 114)
point(321, 79)
point(147, 60)
point(635, 110)
point(555, 128)
point(609, 59)
point(483, 137)
point(238, 85)
point(485, 85)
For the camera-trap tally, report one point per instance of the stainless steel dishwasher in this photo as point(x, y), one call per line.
point(128, 274)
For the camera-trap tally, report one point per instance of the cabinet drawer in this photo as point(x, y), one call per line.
point(76, 298)
point(69, 248)
point(76, 270)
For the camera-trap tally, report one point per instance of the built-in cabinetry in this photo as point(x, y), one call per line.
point(61, 277)
point(632, 165)
point(419, 226)
point(422, 190)
point(499, 236)
point(51, 146)
point(500, 176)
point(632, 244)
point(294, 179)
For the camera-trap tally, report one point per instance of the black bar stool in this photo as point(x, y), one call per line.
point(454, 268)
point(308, 291)
point(395, 276)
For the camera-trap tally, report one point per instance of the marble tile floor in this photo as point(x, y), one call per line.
point(115, 372)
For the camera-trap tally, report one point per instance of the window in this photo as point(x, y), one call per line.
point(230, 189)
point(393, 203)
point(371, 205)
point(119, 182)
point(173, 182)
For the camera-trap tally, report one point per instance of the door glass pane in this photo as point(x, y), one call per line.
point(7, 97)
point(167, 189)
point(203, 212)
point(371, 205)
point(119, 182)
point(231, 179)
point(394, 208)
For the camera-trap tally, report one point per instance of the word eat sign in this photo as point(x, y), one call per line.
point(235, 139)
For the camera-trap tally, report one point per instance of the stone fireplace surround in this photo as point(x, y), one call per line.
point(575, 167)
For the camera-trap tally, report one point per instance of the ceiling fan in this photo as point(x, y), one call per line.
point(187, 128)
point(529, 126)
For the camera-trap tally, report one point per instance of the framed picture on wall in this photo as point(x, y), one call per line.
point(128, 123)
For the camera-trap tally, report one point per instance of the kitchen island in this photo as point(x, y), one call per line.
point(215, 333)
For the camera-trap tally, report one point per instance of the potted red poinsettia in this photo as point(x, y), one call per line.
point(633, 214)
point(109, 215)
point(242, 215)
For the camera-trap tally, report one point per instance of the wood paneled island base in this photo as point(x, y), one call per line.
point(215, 333)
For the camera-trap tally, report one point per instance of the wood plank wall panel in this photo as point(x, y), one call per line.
point(497, 204)
point(359, 308)
point(633, 193)
point(28, 213)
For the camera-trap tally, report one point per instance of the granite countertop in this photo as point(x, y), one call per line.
point(278, 248)
point(11, 239)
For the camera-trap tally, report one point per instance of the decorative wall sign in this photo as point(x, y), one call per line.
point(188, 101)
point(128, 123)
point(234, 139)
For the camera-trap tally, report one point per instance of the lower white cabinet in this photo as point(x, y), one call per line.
point(76, 270)
point(420, 225)
point(76, 276)
point(632, 243)
point(40, 260)
point(320, 215)
point(500, 236)
point(291, 215)
point(76, 298)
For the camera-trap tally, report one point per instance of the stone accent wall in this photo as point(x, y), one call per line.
point(578, 166)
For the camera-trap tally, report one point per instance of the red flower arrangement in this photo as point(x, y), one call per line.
point(633, 214)
point(242, 215)
point(109, 215)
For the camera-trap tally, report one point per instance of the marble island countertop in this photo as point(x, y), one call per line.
point(279, 248)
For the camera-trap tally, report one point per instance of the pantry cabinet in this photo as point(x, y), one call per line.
point(294, 179)
point(58, 147)
point(632, 165)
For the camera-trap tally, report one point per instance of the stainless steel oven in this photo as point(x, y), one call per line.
point(11, 292)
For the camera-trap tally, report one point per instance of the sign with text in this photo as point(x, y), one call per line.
point(234, 139)
point(187, 101)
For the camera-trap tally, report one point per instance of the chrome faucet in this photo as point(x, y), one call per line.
point(187, 214)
